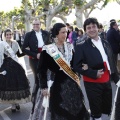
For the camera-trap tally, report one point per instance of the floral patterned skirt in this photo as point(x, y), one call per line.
point(65, 103)
point(39, 110)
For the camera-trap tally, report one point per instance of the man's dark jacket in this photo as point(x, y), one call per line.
point(31, 43)
point(113, 37)
point(87, 53)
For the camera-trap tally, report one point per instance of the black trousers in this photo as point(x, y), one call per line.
point(33, 64)
point(117, 106)
point(19, 42)
point(115, 58)
point(99, 97)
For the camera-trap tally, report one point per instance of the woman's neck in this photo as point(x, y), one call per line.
point(8, 41)
point(60, 43)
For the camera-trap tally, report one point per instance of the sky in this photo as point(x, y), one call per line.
point(109, 12)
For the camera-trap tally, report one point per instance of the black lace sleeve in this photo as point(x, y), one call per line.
point(42, 69)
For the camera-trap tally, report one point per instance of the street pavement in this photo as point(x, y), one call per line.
point(23, 114)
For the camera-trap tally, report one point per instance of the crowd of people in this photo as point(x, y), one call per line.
point(59, 56)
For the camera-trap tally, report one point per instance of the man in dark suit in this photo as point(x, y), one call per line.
point(32, 46)
point(17, 37)
point(113, 37)
point(97, 54)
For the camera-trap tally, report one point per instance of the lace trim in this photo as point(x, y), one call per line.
point(68, 52)
point(12, 95)
point(21, 101)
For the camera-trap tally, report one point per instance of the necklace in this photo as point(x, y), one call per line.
point(61, 49)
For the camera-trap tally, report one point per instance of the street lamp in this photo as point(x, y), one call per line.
point(13, 19)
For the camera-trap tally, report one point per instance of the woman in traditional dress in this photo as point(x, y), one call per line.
point(14, 85)
point(66, 98)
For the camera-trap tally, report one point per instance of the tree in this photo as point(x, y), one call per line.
point(118, 1)
point(55, 8)
point(86, 7)
point(99, 5)
point(2, 15)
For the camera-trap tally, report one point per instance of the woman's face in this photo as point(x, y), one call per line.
point(80, 33)
point(62, 34)
point(70, 29)
point(8, 35)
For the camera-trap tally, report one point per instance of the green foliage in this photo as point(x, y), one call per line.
point(45, 2)
point(65, 9)
point(75, 22)
point(79, 2)
point(20, 25)
point(106, 2)
point(2, 14)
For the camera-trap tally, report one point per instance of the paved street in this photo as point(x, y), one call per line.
point(23, 114)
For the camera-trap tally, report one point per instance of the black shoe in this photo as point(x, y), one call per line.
point(18, 107)
point(13, 110)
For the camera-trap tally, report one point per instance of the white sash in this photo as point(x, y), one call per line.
point(10, 51)
point(61, 62)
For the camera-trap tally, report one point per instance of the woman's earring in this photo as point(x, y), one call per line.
point(56, 40)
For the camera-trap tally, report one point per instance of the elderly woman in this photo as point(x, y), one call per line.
point(66, 98)
point(14, 85)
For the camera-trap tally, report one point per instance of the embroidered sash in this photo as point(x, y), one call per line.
point(10, 51)
point(62, 63)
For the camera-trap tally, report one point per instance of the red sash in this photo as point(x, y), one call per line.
point(39, 50)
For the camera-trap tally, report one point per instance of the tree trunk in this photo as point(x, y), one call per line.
point(79, 17)
point(48, 21)
point(27, 24)
point(62, 17)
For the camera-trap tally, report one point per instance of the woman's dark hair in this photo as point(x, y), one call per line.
point(71, 27)
point(112, 20)
point(89, 21)
point(76, 29)
point(81, 30)
point(67, 24)
point(7, 30)
point(112, 24)
point(56, 28)
point(100, 26)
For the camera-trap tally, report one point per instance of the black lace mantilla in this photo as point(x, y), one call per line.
point(13, 95)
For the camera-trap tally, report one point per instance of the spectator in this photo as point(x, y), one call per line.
point(113, 37)
point(75, 36)
point(17, 37)
point(102, 34)
point(68, 25)
point(70, 34)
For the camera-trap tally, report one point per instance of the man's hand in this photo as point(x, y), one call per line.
point(85, 66)
point(100, 73)
point(38, 56)
point(45, 92)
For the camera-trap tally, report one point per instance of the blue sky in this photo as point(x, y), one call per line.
point(109, 12)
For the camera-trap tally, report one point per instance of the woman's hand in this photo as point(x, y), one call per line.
point(85, 66)
point(45, 92)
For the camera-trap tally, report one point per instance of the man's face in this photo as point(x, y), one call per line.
point(36, 25)
point(115, 26)
point(92, 31)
